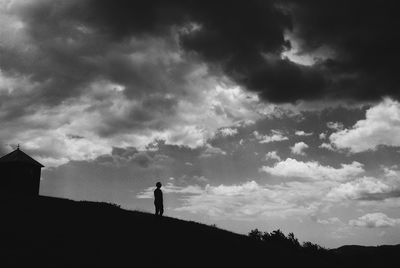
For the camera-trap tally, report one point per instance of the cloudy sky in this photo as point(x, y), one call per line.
point(266, 114)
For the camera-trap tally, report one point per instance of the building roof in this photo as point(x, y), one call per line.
point(18, 156)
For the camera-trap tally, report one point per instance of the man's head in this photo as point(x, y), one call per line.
point(158, 184)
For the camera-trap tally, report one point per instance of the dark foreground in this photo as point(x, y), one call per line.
point(51, 232)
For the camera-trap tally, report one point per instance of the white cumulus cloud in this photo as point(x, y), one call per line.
point(373, 220)
point(314, 170)
point(302, 133)
point(272, 155)
point(276, 135)
point(365, 188)
point(335, 125)
point(380, 127)
point(225, 132)
point(298, 148)
point(327, 146)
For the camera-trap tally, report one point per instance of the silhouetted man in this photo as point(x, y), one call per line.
point(158, 200)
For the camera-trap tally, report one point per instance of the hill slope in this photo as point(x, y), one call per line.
point(53, 232)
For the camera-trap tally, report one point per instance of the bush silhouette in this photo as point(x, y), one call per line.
point(312, 247)
point(279, 240)
point(256, 235)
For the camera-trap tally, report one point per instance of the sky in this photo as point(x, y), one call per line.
point(252, 114)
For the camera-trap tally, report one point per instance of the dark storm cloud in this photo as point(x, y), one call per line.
point(246, 41)
point(364, 36)
point(394, 193)
point(69, 45)
point(77, 42)
point(49, 60)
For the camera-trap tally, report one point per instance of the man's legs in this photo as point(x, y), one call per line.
point(161, 210)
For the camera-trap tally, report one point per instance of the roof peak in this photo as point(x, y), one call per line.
point(18, 156)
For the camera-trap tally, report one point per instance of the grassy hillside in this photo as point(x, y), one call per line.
point(53, 232)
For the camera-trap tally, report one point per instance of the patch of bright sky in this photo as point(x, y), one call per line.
point(294, 54)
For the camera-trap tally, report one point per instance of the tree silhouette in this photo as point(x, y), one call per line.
point(256, 234)
point(278, 239)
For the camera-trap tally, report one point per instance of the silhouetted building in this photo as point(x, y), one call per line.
point(19, 175)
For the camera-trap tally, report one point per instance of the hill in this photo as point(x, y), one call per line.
point(367, 256)
point(52, 232)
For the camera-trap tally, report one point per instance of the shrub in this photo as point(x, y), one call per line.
point(256, 234)
point(279, 240)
